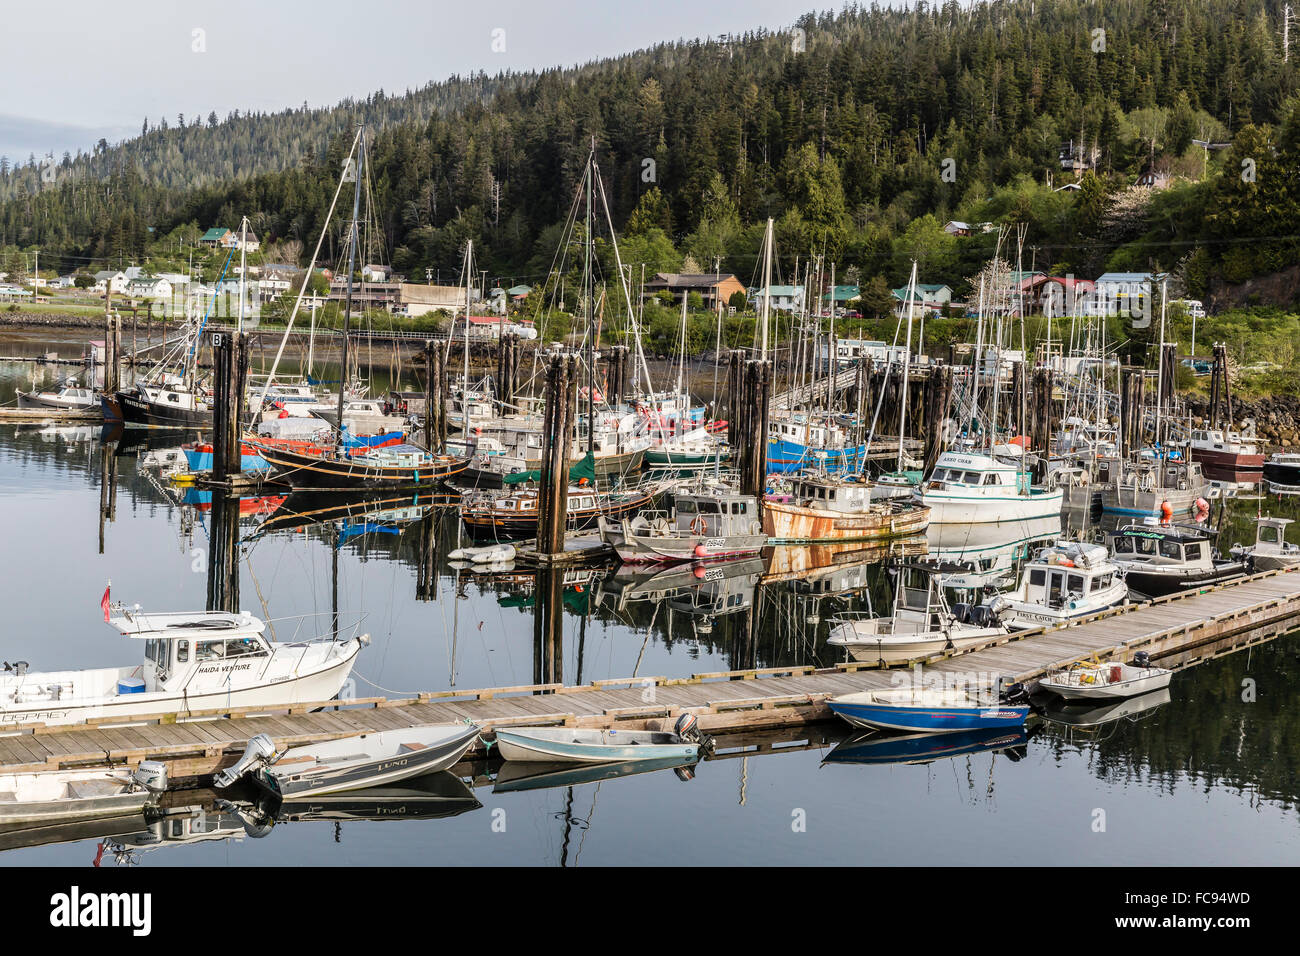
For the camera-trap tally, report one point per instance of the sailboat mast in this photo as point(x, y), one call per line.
point(243, 269)
point(907, 365)
point(767, 285)
point(588, 294)
point(353, 238)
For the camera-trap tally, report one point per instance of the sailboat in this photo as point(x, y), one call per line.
point(338, 467)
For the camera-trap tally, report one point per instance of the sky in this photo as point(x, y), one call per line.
point(75, 72)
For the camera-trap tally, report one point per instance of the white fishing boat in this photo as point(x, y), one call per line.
point(366, 416)
point(1271, 551)
point(352, 763)
point(1065, 581)
point(708, 523)
point(921, 624)
point(582, 745)
point(198, 660)
point(976, 489)
point(48, 796)
point(70, 397)
point(1084, 681)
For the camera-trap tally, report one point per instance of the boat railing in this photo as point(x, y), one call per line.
point(332, 635)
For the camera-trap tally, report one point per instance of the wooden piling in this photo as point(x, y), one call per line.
point(435, 403)
point(557, 425)
point(230, 380)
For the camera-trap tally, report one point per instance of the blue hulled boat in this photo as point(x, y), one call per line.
point(933, 709)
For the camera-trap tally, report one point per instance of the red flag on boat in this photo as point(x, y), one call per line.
point(104, 601)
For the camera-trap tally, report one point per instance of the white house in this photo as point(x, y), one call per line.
point(149, 287)
point(1126, 293)
point(110, 281)
point(178, 279)
point(65, 282)
point(785, 298)
point(373, 273)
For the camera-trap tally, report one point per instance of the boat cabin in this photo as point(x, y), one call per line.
point(1161, 545)
point(397, 456)
point(1067, 572)
point(716, 515)
point(177, 645)
point(827, 494)
point(969, 472)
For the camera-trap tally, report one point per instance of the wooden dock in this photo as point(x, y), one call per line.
point(10, 414)
point(1179, 630)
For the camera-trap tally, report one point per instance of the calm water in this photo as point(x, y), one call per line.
point(1203, 779)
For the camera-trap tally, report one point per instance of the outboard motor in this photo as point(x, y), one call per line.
point(259, 753)
point(687, 728)
point(980, 615)
point(1011, 693)
point(961, 613)
point(152, 775)
point(1142, 659)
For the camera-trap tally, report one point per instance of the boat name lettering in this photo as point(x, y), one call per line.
point(225, 668)
point(33, 715)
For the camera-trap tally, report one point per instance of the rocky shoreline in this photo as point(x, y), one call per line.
point(1277, 418)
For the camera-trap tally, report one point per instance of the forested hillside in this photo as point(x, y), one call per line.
point(860, 132)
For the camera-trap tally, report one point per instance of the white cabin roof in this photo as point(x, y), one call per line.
point(176, 625)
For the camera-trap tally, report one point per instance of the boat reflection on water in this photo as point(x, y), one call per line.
point(517, 775)
point(702, 591)
point(834, 568)
point(984, 556)
point(875, 748)
point(1094, 717)
point(433, 796)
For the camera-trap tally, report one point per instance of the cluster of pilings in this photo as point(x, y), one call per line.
point(1132, 398)
point(435, 401)
point(618, 365)
point(1220, 410)
point(557, 426)
point(508, 368)
point(749, 392)
point(934, 410)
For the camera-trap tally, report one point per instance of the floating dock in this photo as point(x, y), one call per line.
point(1179, 631)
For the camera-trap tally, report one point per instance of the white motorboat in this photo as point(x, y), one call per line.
point(352, 763)
point(70, 397)
point(922, 624)
point(1061, 583)
point(47, 796)
point(1271, 551)
point(365, 416)
point(193, 661)
point(709, 522)
point(1084, 681)
point(974, 489)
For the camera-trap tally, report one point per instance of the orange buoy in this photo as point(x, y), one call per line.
point(1166, 512)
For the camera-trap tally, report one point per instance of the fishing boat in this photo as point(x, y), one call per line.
point(799, 441)
point(50, 796)
point(70, 397)
point(708, 523)
point(1271, 551)
point(692, 451)
point(197, 660)
point(921, 623)
point(352, 763)
point(937, 709)
point(820, 509)
point(171, 403)
point(1166, 485)
point(584, 745)
point(979, 489)
point(338, 469)
point(1162, 559)
point(516, 514)
point(1063, 582)
point(1095, 681)
point(1283, 468)
point(1224, 449)
point(365, 416)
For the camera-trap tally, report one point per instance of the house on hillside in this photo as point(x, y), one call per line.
point(712, 286)
point(928, 297)
point(1055, 295)
point(110, 281)
point(841, 296)
point(954, 228)
point(215, 238)
point(784, 298)
point(1127, 293)
point(488, 328)
point(250, 241)
point(373, 273)
point(149, 287)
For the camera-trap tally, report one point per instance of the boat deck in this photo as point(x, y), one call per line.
point(1179, 631)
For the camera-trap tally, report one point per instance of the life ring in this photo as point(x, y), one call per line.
point(1066, 563)
point(1202, 509)
point(697, 524)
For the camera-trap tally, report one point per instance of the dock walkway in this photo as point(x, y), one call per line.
point(1179, 630)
